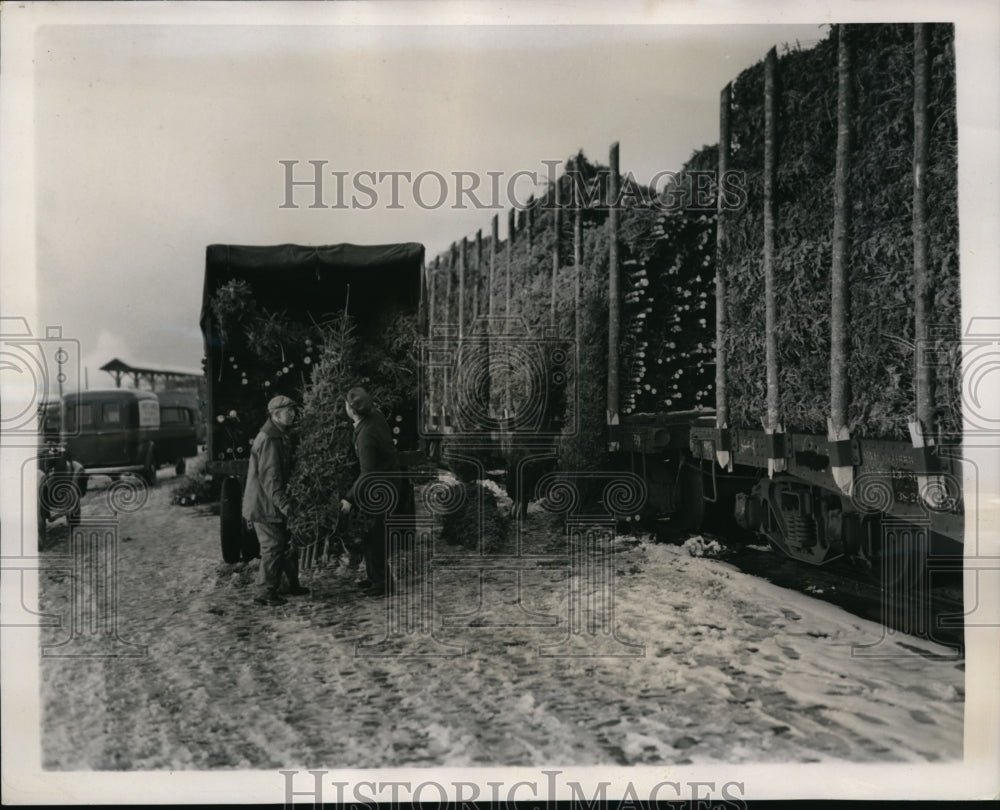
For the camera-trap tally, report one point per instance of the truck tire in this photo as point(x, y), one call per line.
point(231, 520)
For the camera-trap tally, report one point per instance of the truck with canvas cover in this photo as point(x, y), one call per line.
point(269, 314)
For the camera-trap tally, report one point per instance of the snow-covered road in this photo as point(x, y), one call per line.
point(708, 665)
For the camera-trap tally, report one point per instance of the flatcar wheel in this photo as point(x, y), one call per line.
point(231, 520)
point(690, 499)
point(896, 558)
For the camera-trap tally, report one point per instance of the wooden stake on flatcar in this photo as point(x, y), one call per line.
point(838, 432)
point(422, 304)
point(479, 279)
point(494, 239)
point(511, 238)
point(491, 330)
point(431, 278)
point(508, 311)
point(449, 324)
point(614, 294)
point(722, 449)
point(556, 230)
point(423, 332)
point(772, 420)
point(461, 288)
point(449, 265)
point(529, 217)
point(923, 429)
point(922, 290)
point(577, 252)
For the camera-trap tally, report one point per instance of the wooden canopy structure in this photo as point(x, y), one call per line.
point(168, 378)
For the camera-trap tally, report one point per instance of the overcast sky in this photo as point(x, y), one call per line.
point(155, 141)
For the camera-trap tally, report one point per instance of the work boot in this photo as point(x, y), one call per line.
point(270, 599)
point(297, 590)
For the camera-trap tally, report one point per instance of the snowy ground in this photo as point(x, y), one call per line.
point(712, 665)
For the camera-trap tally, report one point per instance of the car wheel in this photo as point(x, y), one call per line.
point(231, 520)
point(149, 467)
point(73, 517)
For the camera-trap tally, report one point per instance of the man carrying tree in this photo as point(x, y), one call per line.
point(376, 453)
point(265, 502)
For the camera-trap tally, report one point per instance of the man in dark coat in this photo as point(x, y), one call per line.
point(376, 453)
point(265, 502)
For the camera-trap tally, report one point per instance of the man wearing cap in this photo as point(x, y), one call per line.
point(265, 502)
point(376, 453)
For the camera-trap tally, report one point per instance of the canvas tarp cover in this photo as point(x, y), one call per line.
point(319, 280)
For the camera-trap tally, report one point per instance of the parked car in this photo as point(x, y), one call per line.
point(113, 431)
point(62, 481)
point(182, 429)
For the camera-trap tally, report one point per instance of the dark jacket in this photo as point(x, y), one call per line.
point(265, 498)
point(373, 444)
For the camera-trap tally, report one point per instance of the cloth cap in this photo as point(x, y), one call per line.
point(281, 401)
point(359, 400)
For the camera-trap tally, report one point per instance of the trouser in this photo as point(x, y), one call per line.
point(276, 557)
point(376, 566)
